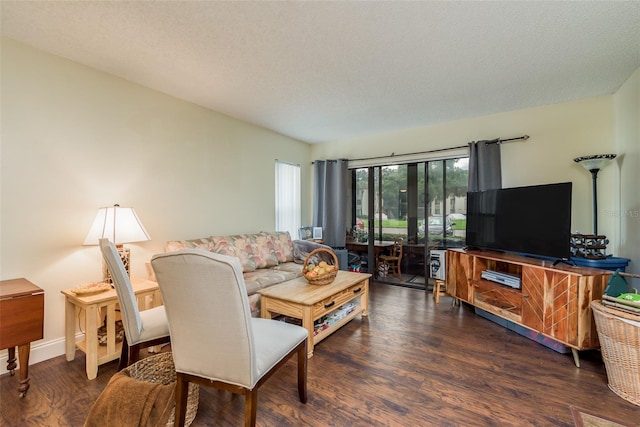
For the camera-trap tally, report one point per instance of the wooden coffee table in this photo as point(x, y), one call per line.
point(300, 300)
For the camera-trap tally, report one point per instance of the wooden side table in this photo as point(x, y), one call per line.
point(21, 322)
point(94, 307)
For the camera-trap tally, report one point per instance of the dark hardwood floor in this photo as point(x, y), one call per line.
point(409, 363)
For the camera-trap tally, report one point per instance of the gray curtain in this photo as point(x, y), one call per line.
point(330, 200)
point(485, 170)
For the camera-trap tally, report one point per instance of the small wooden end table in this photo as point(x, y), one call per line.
point(300, 300)
point(21, 322)
point(92, 306)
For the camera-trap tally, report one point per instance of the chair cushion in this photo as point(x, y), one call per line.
point(154, 324)
point(273, 340)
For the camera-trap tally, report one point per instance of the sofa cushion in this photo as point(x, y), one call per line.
point(265, 277)
point(290, 267)
point(282, 246)
point(266, 253)
point(241, 246)
point(177, 245)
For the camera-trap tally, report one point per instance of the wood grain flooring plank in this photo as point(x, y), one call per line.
point(409, 363)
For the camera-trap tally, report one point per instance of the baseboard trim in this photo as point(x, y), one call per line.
point(40, 352)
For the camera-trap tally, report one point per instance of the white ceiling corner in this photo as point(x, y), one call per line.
point(323, 71)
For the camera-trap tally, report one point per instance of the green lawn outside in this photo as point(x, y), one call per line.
point(459, 224)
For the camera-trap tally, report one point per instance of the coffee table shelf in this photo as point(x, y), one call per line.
point(300, 300)
point(334, 327)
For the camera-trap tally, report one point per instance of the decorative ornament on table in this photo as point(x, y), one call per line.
point(323, 273)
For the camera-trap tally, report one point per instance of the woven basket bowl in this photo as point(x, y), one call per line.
point(326, 278)
point(159, 369)
point(619, 336)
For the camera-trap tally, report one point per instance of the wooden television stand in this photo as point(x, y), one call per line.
point(554, 299)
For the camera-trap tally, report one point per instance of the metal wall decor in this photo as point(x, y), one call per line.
point(588, 246)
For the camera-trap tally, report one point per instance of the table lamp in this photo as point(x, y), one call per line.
point(119, 225)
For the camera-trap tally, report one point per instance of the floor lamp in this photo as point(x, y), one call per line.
point(593, 245)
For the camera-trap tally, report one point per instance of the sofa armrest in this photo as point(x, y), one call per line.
point(302, 248)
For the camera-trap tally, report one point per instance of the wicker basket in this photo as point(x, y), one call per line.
point(159, 369)
point(327, 277)
point(619, 335)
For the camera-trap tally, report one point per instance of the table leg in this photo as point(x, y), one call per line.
point(23, 355)
point(364, 299)
point(576, 357)
point(378, 251)
point(156, 301)
point(91, 341)
point(11, 360)
point(69, 329)
point(111, 328)
point(307, 323)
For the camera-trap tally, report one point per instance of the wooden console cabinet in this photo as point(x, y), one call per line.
point(553, 300)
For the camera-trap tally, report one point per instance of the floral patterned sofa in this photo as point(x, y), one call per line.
point(267, 258)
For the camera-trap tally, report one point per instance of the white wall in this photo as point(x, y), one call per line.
point(75, 139)
point(559, 133)
point(627, 139)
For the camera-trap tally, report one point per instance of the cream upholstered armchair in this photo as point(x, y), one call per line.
point(214, 339)
point(142, 329)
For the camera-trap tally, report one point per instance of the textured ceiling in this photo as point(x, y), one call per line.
point(323, 71)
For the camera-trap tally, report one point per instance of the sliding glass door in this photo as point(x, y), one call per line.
point(422, 203)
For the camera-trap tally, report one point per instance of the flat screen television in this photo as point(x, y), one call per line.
point(533, 220)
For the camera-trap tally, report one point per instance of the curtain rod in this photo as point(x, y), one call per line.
point(438, 150)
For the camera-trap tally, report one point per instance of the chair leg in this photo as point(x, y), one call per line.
point(302, 372)
point(182, 393)
point(134, 353)
point(124, 354)
point(250, 407)
point(438, 290)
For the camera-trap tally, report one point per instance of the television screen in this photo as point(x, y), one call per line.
point(533, 220)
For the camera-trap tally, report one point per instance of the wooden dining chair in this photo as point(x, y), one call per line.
point(392, 262)
point(142, 329)
point(214, 340)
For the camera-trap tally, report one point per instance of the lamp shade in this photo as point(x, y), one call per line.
point(595, 162)
point(119, 225)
